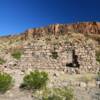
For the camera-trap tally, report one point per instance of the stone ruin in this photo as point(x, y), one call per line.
point(76, 57)
point(70, 57)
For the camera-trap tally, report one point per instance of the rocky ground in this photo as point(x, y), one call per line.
point(84, 84)
point(87, 94)
point(80, 94)
point(57, 79)
point(16, 94)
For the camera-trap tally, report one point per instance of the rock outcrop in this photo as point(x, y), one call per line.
point(58, 29)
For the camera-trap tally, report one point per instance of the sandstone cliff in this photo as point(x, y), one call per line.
point(58, 29)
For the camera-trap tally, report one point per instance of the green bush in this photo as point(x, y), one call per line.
point(63, 93)
point(5, 82)
point(2, 61)
point(98, 56)
point(52, 97)
point(16, 55)
point(35, 80)
point(98, 76)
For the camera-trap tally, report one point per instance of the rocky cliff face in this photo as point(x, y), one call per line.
point(58, 29)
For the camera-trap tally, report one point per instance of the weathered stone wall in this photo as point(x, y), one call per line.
point(39, 56)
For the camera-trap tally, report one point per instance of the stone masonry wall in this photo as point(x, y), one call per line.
point(39, 56)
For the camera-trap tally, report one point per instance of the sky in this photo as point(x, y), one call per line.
point(16, 16)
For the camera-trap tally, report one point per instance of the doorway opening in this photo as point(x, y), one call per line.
point(74, 63)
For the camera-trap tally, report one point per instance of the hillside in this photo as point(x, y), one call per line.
point(69, 53)
point(60, 29)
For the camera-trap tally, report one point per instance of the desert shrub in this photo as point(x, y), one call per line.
point(52, 97)
point(66, 93)
point(35, 80)
point(63, 93)
point(54, 55)
point(5, 82)
point(2, 61)
point(16, 55)
point(98, 76)
point(98, 56)
point(86, 78)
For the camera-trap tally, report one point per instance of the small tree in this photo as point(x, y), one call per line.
point(35, 80)
point(5, 82)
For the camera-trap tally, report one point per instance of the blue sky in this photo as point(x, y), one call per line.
point(18, 15)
